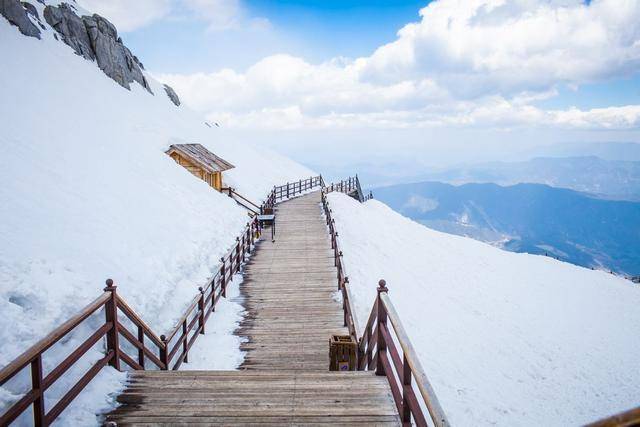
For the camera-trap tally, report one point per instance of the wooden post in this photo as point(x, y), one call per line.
point(201, 310)
point(382, 320)
point(185, 341)
point(111, 314)
point(141, 341)
point(287, 190)
point(223, 278)
point(164, 352)
point(237, 254)
point(36, 385)
point(344, 301)
point(406, 385)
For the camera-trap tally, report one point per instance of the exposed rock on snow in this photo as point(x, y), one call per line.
point(95, 38)
point(17, 14)
point(70, 26)
point(173, 96)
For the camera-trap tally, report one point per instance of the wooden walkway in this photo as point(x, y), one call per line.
point(288, 294)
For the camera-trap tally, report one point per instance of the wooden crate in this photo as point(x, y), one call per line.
point(342, 353)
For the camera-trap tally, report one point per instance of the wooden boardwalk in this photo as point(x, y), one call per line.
point(291, 310)
point(289, 291)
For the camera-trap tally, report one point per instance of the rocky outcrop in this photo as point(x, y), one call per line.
point(71, 27)
point(95, 38)
point(17, 14)
point(173, 96)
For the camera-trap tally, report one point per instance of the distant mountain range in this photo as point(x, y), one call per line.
point(613, 179)
point(532, 218)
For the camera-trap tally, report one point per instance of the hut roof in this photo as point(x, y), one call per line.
point(203, 157)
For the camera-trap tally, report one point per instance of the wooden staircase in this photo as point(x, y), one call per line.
point(255, 397)
point(291, 312)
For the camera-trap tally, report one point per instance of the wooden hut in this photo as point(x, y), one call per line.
point(200, 162)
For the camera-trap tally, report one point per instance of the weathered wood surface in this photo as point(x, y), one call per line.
point(271, 397)
point(291, 312)
point(288, 291)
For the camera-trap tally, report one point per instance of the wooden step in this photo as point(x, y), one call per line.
point(252, 397)
point(288, 294)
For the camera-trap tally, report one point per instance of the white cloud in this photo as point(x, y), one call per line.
point(476, 47)
point(466, 63)
point(219, 15)
point(129, 15)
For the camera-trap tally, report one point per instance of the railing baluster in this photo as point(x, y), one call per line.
point(382, 319)
point(184, 342)
point(237, 254)
point(201, 311)
point(406, 385)
point(164, 352)
point(36, 385)
point(111, 314)
point(141, 349)
point(223, 278)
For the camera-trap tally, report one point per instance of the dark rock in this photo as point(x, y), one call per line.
point(113, 57)
point(31, 9)
point(95, 38)
point(70, 26)
point(173, 96)
point(17, 15)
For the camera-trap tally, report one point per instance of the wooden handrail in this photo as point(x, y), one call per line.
point(133, 316)
point(112, 329)
point(426, 390)
point(376, 335)
point(200, 308)
point(53, 337)
point(628, 418)
point(350, 317)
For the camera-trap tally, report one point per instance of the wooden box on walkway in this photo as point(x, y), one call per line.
point(342, 353)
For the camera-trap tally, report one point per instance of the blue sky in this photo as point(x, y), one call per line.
point(481, 73)
point(315, 30)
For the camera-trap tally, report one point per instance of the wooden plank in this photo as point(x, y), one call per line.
point(288, 294)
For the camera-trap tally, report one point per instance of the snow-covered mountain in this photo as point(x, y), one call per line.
point(88, 193)
point(612, 179)
point(532, 218)
point(506, 339)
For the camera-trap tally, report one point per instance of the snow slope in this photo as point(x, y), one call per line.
point(88, 193)
point(506, 339)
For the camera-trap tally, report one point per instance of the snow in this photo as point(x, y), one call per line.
point(88, 193)
point(219, 340)
point(505, 338)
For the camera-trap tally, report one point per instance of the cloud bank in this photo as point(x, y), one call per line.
point(465, 63)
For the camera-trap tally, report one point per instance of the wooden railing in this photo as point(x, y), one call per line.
point(33, 357)
point(628, 418)
point(242, 201)
point(346, 186)
point(288, 190)
point(376, 343)
point(379, 352)
point(350, 186)
point(350, 319)
point(163, 352)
